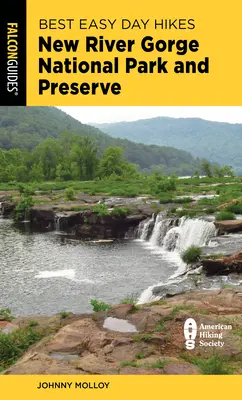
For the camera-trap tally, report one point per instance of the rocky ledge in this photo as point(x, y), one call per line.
point(86, 224)
point(229, 226)
point(223, 265)
point(148, 339)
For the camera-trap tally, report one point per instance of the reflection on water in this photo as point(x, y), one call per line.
point(119, 325)
point(45, 273)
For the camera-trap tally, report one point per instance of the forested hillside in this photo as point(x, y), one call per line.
point(25, 128)
point(218, 142)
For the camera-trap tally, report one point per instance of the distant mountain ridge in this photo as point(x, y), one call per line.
point(26, 127)
point(219, 142)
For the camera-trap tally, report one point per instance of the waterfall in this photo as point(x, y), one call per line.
point(173, 236)
point(160, 229)
point(145, 227)
point(196, 232)
point(176, 235)
point(57, 223)
point(26, 216)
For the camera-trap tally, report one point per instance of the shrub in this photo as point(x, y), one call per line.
point(235, 208)
point(25, 204)
point(101, 210)
point(224, 215)
point(99, 305)
point(6, 314)
point(128, 364)
point(131, 299)
point(64, 314)
point(191, 254)
point(14, 344)
point(158, 364)
point(26, 189)
point(120, 211)
point(69, 194)
point(165, 199)
point(214, 366)
point(139, 356)
point(32, 324)
point(187, 213)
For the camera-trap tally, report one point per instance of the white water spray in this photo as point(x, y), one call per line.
point(173, 236)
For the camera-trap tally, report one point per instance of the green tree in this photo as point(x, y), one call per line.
point(36, 173)
point(207, 169)
point(84, 155)
point(112, 162)
point(162, 183)
point(49, 155)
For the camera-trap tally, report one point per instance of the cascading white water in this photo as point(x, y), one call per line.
point(144, 226)
point(196, 232)
point(169, 237)
point(57, 223)
point(172, 239)
point(160, 229)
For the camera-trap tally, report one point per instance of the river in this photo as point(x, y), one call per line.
point(46, 273)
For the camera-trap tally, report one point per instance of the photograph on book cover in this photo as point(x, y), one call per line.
point(120, 240)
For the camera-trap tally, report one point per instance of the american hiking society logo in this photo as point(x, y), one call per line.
point(208, 335)
point(190, 333)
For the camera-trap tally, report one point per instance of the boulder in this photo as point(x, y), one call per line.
point(43, 364)
point(228, 226)
point(224, 265)
point(7, 207)
point(42, 218)
point(181, 368)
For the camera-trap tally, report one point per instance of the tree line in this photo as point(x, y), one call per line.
point(74, 157)
point(71, 157)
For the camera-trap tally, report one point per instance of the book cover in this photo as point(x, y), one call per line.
point(120, 199)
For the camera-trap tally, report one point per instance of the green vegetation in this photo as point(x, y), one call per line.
point(99, 305)
point(214, 366)
point(101, 210)
point(14, 344)
point(225, 215)
point(142, 337)
point(158, 364)
point(32, 324)
point(24, 205)
point(65, 314)
point(128, 364)
point(218, 142)
point(191, 255)
point(69, 194)
point(6, 314)
point(235, 208)
point(120, 211)
point(139, 356)
point(46, 143)
point(131, 299)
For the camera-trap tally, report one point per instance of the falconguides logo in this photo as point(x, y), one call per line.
point(12, 58)
point(190, 333)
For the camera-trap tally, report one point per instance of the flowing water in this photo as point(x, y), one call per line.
point(169, 238)
point(46, 273)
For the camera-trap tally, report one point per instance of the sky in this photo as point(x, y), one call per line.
point(116, 114)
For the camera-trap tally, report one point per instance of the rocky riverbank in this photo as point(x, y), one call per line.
point(145, 339)
point(82, 219)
